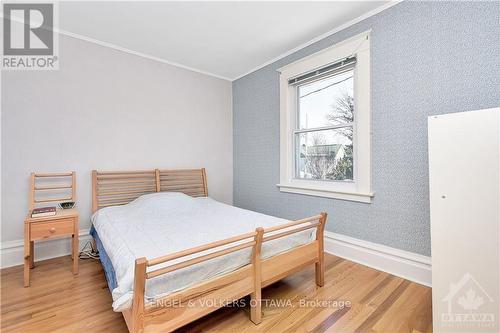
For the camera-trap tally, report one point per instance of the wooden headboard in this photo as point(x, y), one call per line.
point(112, 188)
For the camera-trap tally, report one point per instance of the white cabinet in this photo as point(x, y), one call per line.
point(464, 164)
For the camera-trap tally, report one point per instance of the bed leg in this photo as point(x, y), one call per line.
point(320, 274)
point(256, 296)
point(94, 245)
point(256, 307)
point(320, 265)
point(138, 300)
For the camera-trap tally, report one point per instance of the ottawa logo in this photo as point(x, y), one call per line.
point(468, 305)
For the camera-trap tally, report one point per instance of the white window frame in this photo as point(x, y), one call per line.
point(360, 188)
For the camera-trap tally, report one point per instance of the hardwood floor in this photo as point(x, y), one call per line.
point(379, 302)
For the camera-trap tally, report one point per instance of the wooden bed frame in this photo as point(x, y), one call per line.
point(168, 313)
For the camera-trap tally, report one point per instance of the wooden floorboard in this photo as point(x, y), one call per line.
point(57, 301)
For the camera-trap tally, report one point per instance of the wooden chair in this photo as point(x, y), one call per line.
point(59, 183)
point(64, 223)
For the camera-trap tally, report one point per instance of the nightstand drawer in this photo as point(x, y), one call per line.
point(44, 230)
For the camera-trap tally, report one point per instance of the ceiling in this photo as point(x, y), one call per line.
point(224, 39)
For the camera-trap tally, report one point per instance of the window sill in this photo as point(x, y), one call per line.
point(326, 193)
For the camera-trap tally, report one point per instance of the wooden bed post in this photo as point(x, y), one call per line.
point(32, 192)
point(94, 202)
point(157, 180)
point(138, 300)
point(256, 296)
point(94, 191)
point(204, 176)
point(320, 265)
point(73, 185)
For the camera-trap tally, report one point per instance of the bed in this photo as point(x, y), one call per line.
point(162, 275)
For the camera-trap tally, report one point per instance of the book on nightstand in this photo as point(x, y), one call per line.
point(43, 211)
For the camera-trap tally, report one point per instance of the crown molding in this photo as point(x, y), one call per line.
point(126, 50)
point(270, 61)
point(322, 36)
point(139, 54)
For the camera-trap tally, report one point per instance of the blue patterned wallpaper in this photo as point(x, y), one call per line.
point(427, 58)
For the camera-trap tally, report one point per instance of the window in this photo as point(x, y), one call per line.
point(325, 123)
point(325, 128)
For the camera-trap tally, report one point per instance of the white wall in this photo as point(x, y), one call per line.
point(106, 109)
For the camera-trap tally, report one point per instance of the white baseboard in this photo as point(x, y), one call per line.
point(12, 252)
point(408, 265)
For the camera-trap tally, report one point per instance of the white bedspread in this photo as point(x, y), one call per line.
point(162, 223)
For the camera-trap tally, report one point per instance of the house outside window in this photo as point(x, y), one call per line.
point(325, 123)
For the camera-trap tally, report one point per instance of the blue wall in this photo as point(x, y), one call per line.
point(427, 58)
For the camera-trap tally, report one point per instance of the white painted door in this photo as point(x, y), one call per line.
point(464, 163)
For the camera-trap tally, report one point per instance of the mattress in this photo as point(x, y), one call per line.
point(157, 224)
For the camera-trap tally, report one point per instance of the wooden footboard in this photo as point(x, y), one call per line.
point(177, 309)
point(180, 308)
point(289, 262)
